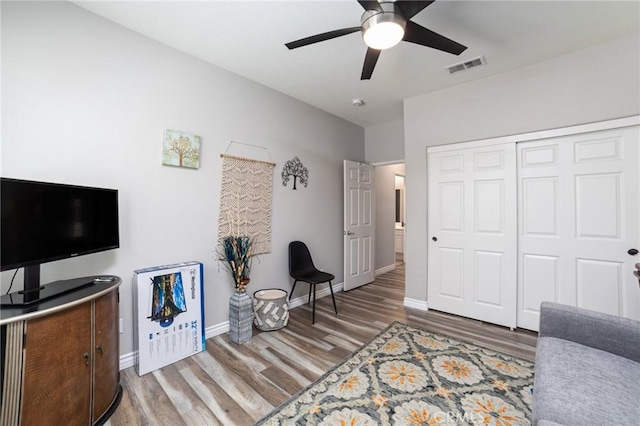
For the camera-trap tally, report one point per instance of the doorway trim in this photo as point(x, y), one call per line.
point(541, 134)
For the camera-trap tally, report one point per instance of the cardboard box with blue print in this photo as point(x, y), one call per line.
point(169, 314)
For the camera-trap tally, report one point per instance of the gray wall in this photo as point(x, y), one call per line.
point(386, 213)
point(85, 101)
point(385, 142)
point(594, 84)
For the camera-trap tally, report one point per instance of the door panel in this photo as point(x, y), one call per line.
point(488, 211)
point(540, 277)
point(451, 206)
point(488, 160)
point(578, 198)
point(359, 224)
point(540, 206)
point(354, 257)
point(451, 272)
point(599, 285)
point(366, 207)
point(472, 233)
point(354, 204)
point(542, 155)
point(488, 280)
point(450, 163)
point(598, 149)
point(598, 208)
point(367, 250)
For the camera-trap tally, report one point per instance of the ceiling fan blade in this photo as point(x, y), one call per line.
point(369, 63)
point(321, 37)
point(370, 4)
point(418, 34)
point(412, 8)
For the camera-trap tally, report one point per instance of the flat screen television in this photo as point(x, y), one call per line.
point(43, 222)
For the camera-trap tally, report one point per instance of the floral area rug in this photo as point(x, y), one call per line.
point(408, 376)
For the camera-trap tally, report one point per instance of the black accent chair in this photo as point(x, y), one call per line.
point(301, 268)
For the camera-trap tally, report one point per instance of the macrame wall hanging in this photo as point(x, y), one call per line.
point(246, 199)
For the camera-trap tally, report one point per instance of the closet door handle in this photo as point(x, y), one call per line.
point(86, 357)
point(434, 238)
point(632, 251)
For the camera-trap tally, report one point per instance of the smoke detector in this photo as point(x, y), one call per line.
point(463, 66)
point(357, 102)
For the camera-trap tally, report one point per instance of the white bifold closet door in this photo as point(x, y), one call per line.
point(472, 252)
point(578, 218)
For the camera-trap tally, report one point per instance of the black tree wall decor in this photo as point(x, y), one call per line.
point(296, 169)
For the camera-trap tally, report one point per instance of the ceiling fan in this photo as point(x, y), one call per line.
point(385, 24)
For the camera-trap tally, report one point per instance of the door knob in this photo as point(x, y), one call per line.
point(99, 349)
point(632, 251)
point(349, 233)
point(434, 238)
point(86, 357)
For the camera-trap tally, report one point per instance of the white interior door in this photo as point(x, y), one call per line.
point(359, 223)
point(404, 219)
point(578, 214)
point(472, 233)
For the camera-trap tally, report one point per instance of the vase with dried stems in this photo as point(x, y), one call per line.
point(236, 255)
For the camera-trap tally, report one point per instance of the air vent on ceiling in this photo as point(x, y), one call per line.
point(462, 66)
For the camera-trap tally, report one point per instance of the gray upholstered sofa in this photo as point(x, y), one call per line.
point(587, 369)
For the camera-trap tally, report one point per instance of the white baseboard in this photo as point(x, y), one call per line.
point(128, 360)
point(416, 304)
point(216, 330)
point(385, 269)
point(302, 300)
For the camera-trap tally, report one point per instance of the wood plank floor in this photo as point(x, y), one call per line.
point(231, 384)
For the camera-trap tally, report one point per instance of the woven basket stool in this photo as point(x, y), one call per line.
point(270, 308)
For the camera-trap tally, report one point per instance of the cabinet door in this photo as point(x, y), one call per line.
point(57, 370)
point(399, 244)
point(106, 353)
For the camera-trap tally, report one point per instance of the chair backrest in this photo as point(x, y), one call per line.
point(299, 258)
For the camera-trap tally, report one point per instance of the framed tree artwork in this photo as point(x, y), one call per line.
point(181, 149)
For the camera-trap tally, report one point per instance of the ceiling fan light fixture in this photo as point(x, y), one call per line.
point(382, 29)
point(383, 25)
point(383, 35)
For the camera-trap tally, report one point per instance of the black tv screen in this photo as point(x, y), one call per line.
point(42, 222)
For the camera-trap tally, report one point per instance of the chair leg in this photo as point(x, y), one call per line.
point(333, 298)
point(313, 316)
point(309, 301)
point(292, 288)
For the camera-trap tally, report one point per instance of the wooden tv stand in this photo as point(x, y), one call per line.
point(61, 358)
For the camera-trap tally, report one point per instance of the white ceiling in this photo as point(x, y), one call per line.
point(248, 37)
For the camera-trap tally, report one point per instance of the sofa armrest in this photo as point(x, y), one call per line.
point(619, 336)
